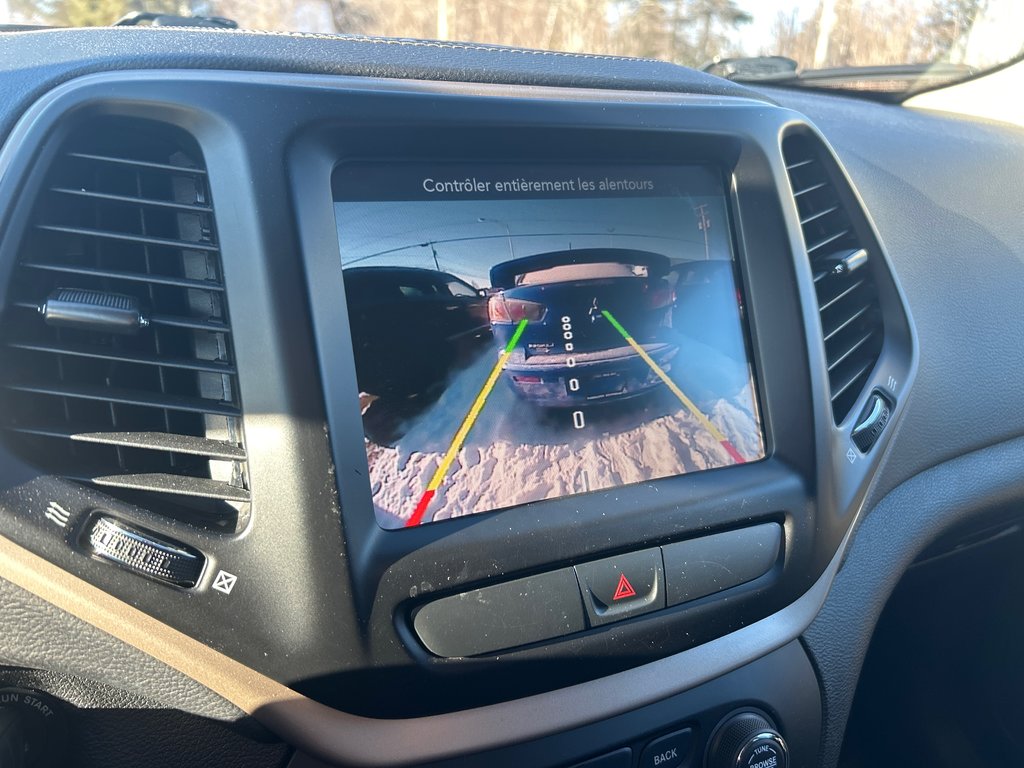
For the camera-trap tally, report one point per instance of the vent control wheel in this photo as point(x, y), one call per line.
point(747, 740)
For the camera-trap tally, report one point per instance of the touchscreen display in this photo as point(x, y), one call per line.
point(524, 333)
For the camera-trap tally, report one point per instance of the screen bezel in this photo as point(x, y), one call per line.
point(346, 173)
point(391, 574)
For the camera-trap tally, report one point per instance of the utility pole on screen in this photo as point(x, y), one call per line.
point(704, 224)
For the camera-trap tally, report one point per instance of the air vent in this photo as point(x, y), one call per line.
point(851, 320)
point(147, 410)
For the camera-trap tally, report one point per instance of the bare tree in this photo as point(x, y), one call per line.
point(350, 16)
point(642, 29)
point(942, 32)
point(793, 37)
point(708, 28)
point(689, 32)
point(862, 33)
point(87, 13)
point(684, 31)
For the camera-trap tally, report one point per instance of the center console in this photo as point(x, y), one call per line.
point(587, 422)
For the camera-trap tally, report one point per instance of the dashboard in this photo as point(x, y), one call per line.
point(390, 403)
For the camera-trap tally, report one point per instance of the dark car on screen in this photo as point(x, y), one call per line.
point(569, 353)
point(411, 327)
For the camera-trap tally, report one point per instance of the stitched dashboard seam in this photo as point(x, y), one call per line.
point(410, 42)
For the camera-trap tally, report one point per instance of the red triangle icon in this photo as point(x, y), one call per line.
point(625, 589)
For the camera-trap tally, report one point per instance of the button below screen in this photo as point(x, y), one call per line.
point(669, 751)
point(620, 587)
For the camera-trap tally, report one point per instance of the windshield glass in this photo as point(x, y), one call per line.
point(946, 39)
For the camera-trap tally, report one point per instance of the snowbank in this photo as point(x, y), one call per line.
point(517, 453)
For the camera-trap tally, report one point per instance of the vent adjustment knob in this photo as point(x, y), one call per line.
point(747, 740)
point(143, 552)
point(93, 311)
point(871, 422)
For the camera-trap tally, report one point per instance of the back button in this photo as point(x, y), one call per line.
point(668, 751)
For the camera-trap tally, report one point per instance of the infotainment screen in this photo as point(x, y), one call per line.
point(524, 333)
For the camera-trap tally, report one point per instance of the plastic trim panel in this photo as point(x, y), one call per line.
point(359, 741)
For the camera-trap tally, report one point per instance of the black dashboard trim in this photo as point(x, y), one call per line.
point(109, 92)
point(37, 62)
point(371, 743)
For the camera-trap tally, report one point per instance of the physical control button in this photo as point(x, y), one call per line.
point(620, 587)
point(669, 751)
point(703, 566)
point(747, 740)
point(871, 422)
point(143, 552)
point(622, 758)
point(503, 616)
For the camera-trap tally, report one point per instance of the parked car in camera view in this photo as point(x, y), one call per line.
point(411, 327)
point(708, 305)
point(570, 353)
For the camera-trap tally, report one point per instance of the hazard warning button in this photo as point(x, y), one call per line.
point(623, 586)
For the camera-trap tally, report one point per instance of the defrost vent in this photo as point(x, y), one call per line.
point(851, 318)
point(119, 368)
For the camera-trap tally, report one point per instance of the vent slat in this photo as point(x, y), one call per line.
point(179, 485)
point(132, 200)
point(842, 358)
point(133, 163)
point(151, 417)
point(148, 441)
point(140, 398)
point(807, 190)
point(846, 323)
point(192, 323)
point(134, 277)
point(162, 441)
point(123, 356)
point(163, 242)
point(840, 390)
point(819, 215)
point(827, 241)
point(823, 307)
point(846, 295)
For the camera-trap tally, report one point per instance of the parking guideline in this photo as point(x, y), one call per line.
point(466, 426)
point(687, 403)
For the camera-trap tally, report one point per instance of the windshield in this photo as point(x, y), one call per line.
point(945, 39)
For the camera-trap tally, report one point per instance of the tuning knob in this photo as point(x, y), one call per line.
point(747, 740)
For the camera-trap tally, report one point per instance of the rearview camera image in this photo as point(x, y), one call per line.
point(529, 333)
